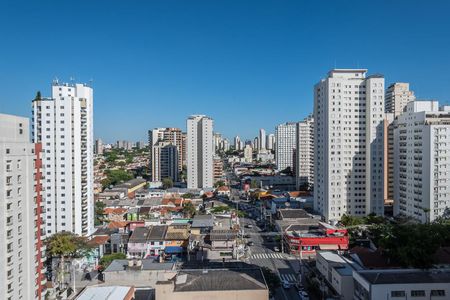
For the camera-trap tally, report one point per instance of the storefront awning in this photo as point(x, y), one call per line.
point(329, 247)
point(173, 250)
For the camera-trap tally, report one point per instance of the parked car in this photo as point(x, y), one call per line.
point(303, 295)
point(249, 226)
point(276, 249)
point(286, 284)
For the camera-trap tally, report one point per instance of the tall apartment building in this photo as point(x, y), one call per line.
point(98, 147)
point(286, 142)
point(270, 142)
point(217, 141)
point(248, 154)
point(63, 124)
point(397, 97)
point(218, 168)
point(237, 143)
point(200, 152)
point(164, 161)
point(348, 148)
point(169, 135)
point(422, 161)
point(21, 250)
point(262, 139)
point(304, 158)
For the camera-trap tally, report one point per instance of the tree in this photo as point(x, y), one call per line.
point(188, 209)
point(106, 260)
point(116, 176)
point(167, 183)
point(219, 184)
point(273, 281)
point(188, 196)
point(66, 245)
point(99, 213)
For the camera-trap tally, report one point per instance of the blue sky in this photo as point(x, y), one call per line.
point(247, 64)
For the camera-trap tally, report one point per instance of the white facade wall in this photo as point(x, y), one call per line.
point(270, 143)
point(397, 97)
point(200, 152)
point(64, 126)
point(262, 139)
point(422, 162)
point(349, 140)
point(286, 142)
point(304, 159)
point(17, 231)
point(248, 153)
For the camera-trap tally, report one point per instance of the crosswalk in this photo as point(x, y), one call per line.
point(272, 255)
point(267, 255)
point(288, 277)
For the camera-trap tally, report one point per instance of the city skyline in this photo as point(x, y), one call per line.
point(277, 58)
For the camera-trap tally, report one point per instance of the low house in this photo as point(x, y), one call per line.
point(156, 240)
point(137, 244)
point(223, 191)
point(218, 284)
point(223, 239)
point(202, 224)
point(176, 240)
point(115, 214)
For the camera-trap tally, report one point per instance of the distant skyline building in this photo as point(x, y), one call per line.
point(237, 143)
point(398, 96)
point(304, 158)
point(422, 161)
point(248, 154)
point(270, 142)
point(349, 144)
point(262, 139)
point(165, 162)
point(200, 152)
point(63, 124)
point(171, 135)
point(217, 142)
point(22, 252)
point(98, 147)
point(286, 142)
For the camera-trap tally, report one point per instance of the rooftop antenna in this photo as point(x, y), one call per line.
point(55, 81)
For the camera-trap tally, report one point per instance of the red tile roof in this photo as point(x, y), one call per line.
point(98, 240)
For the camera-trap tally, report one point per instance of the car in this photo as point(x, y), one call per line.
point(249, 226)
point(286, 284)
point(276, 249)
point(247, 236)
point(250, 243)
point(303, 295)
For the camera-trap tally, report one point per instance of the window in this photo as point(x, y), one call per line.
point(398, 294)
point(438, 293)
point(418, 293)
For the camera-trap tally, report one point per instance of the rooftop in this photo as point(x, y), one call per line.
point(203, 221)
point(408, 276)
point(147, 264)
point(106, 293)
point(219, 280)
point(290, 213)
point(157, 232)
point(139, 235)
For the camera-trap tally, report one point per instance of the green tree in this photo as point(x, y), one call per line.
point(188, 209)
point(273, 281)
point(188, 196)
point(107, 259)
point(65, 245)
point(167, 183)
point(219, 184)
point(99, 213)
point(114, 177)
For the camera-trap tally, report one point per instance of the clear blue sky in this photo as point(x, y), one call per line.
point(247, 64)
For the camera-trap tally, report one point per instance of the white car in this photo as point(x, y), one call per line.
point(276, 249)
point(303, 295)
point(286, 284)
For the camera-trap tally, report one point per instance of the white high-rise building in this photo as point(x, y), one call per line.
point(248, 154)
point(237, 143)
point(397, 97)
point(422, 161)
point(63, 124)
point(164, 161)
point(270, 142)
point(217, 141)
point(200, 152)
point(348, 141)
point(21, 248)
point(262, 139)
point(286, 142)
point(304, 158)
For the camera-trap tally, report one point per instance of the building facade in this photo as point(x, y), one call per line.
point(169, 135)
point(270, 142)
point(398, 96)
point(248, 154)
point(304, 158)
point(63, 124)
point(21, 250)
point(286, 142)
point(422, 161)
point(200, 152)
point(164, 161)
point(262, 139)
point(349, 144)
